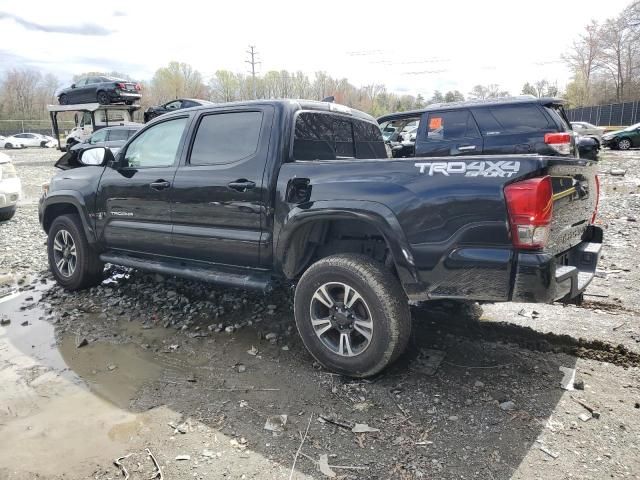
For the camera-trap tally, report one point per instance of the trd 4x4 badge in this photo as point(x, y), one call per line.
point(484, 168)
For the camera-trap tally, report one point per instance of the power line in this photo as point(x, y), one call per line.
point(253, 62)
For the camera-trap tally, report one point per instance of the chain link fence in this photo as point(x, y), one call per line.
point(614, 114)
point(43, 127)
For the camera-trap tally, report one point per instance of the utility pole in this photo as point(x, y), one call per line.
point(253, 62)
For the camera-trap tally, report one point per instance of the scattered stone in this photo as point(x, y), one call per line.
point(112, 367)
point(428, 361)
point(617, 172)
point(585, 417)
point(208, 453)
point(323, 465)
point(285, 348)
point(25, 323)
point(253, 351)
point(82, 342)
point(569, 377)
point(5, 321)
point(180, 458)
point(276, 423)
point(553, 455)
point(453, 418)
point(191, 378)
point(478, 384)
point(271, 336)
point(507, 406)
point(363, 428)
point(230, 329)
point(241, 368)
point(578, 384)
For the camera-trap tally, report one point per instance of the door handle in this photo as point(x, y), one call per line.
point(160, 185)
point(466, 147)
point(242, 185)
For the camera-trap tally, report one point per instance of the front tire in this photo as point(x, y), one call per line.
point(624, 144)
point(352, 314)
point(64, 100)
point(73, 262)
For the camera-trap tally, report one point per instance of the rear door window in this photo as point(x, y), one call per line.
point(226, 137)
point(511, 119)
point(450, 125)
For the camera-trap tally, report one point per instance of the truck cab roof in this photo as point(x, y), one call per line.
point(292, 105)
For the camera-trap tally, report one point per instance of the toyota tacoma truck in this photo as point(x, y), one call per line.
point(248, 194)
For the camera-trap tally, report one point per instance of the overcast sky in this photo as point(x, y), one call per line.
point(410, 46)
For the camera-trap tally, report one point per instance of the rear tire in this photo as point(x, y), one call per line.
point(624, 144)
point(103, 98)
point(369, 323)
point(7, 214)
point(8, 146)
point(74, 264)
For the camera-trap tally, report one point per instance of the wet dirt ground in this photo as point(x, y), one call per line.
point(193, 373)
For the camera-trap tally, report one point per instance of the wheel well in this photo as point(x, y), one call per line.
point(54, 211)
point(321, 238)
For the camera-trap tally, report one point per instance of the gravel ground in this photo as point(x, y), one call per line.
point(95, 375)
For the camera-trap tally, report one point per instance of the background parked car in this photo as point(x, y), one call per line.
point(489, 127)
point(623, 139)
point(23, 140)
point(112, 137)
point(10, 188)
point(104, 90)
point(586, 129)
point(172, 106)
point(588, 147)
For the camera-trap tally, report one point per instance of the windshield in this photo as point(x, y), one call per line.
point(632, 127)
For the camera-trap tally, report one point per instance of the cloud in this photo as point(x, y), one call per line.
point(119, 13)
point(82, 29)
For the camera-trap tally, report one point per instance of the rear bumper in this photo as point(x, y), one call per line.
point(544, 278)
point(117, 95)
point(502, 274)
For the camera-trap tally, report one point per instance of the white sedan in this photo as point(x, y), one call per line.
point(24, 140)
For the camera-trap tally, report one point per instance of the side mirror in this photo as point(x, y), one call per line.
point(96, 157)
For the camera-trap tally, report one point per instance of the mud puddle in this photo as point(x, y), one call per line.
point(54, 393)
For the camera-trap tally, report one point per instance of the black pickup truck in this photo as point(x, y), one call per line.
point(245, 194)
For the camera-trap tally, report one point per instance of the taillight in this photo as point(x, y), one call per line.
point(530, 206)
point(560, 142)
point(121, 86)
point(138, 87)
point(595, 210)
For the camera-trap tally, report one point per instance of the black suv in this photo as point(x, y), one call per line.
point(491, 127)
point(104, 90)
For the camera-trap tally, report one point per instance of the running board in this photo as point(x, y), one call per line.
point(220, 275)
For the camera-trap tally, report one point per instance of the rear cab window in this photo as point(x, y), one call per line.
point(327, 136)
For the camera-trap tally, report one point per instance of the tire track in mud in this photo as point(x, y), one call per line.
point(464, 321)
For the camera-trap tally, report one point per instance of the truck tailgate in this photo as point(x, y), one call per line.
point(575, 197)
